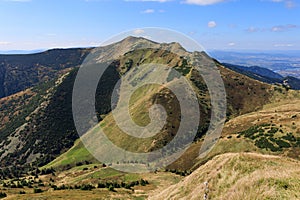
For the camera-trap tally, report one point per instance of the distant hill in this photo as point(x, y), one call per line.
point(286, 63)
point(17, 52)
point(265, 75)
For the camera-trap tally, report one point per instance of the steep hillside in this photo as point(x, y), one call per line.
point(239, 176)
point(19, 72)
point(31, 121)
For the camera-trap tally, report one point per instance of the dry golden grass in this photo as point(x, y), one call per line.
point(240, 176)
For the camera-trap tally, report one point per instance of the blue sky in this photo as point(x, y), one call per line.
point(215, 24)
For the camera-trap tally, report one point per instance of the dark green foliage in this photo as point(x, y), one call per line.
point(53, 127)
point(2, 195)
point(87, 187)
point(128, 185)
point(54, 187)
point(249, 133)
point(47, 171)
point(101, 185)
point(183, 69)
point(266, 140)
point(273, 130)
point(37, 190)
point(18, 120)
point(282, 144)
point(178, 172)
point(264, 143)
point(111, 188)
point(290, 137)
point(144, 182)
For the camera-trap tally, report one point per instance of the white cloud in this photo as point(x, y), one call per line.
point(148, 11)
point(212, 24)
point(138, 31)
point(281, 28)
point(288, 3)
point(160, 1)
point(283, 45)
point(278, 28)
point(203, 2)
point(231, 44)
point(4, 43)
point(252, 29)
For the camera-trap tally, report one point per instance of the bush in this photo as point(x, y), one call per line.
point(289, 137)
point(144, 182)
point(87, 187)
point(37, 190)
point(273, 130)
point(249, 133)
point(264, 143)
point(54, 187)
point(111, 188)
point(2, 195)
point(283, 144)
point(101, 185)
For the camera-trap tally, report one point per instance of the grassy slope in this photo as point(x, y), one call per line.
point(78, 153)
point(239, 103)
point(285, 109)
point(278, 112)
point(240, 176)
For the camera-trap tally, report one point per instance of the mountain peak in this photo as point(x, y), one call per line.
point(134, 39)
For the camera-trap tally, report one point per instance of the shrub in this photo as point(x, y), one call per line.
point(144, 182)
point(37, 190)
point(54, 187)
point(282, 144)
point(273, 130)
point(264, 143)
point(2, 195)
point(249, 133)
point(87, 187)
point(101, 185)
point(111, 188)
point(289, 137)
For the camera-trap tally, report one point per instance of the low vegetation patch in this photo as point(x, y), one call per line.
point(267, 136)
